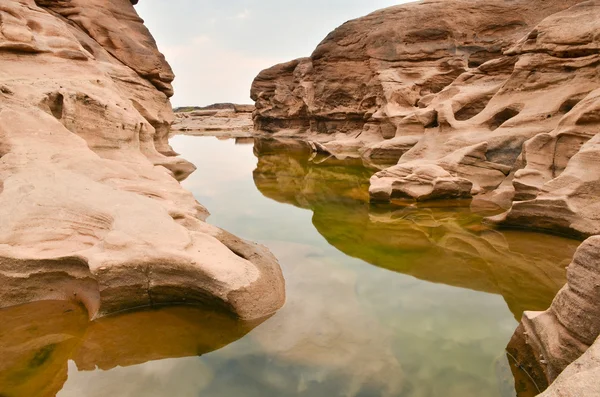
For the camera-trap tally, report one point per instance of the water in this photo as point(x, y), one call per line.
point(382, 300)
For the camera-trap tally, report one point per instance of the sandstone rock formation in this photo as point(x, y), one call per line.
point(453, 88)
point(90, 208)
point(580, 378)
point(228, 120)
point(495, 100)
point(546, 343)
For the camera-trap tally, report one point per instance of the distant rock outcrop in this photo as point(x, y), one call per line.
point(221, 119)
point(495, 100)
point(90, 208)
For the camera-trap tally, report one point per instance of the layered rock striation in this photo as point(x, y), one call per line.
point(224, 120)
point(496, 101)
point(90, 206)
point(437, 93)
point(546, 343)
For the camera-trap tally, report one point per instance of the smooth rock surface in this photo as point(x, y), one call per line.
point(90, 208)
point(581, 378)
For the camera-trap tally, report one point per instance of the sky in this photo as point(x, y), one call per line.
point(217, 47)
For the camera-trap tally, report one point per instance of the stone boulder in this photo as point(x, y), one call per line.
point(419, 183)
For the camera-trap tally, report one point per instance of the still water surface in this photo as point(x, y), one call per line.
point(382, 300)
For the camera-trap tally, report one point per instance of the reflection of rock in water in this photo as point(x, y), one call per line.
point(155, 335)
point(441, 244)
point(38, 339)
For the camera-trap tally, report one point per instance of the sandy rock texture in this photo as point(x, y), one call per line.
point(230, 120)
point(476, 90)
point(581, 378)
point(90, 206)
point(494, 100)
point(546, 343)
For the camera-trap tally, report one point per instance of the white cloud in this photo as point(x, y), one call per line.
point(208, 72)
point(242, 15)
point(202, 39)
point(212, 42)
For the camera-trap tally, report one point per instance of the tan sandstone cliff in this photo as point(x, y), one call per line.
point(493, 100)
point(90, 208)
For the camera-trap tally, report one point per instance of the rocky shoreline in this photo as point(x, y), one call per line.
point(495, 101)
point(223, 120)
point(90, 205)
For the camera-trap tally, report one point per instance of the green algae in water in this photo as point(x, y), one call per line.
point(382, 300)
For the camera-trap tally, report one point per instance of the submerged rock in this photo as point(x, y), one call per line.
point(90, 208)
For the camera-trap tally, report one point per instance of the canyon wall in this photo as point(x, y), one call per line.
point(493, 101)
point(90, 205)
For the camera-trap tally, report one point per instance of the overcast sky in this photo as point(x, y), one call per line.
point(217, 47)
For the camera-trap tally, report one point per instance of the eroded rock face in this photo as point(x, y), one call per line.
point(457, 85)
point(493, 100)
point(546, 343)
point(90, 208)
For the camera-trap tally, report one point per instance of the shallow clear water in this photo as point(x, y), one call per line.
point(382, 300)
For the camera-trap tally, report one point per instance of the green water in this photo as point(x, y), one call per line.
point(382, 300)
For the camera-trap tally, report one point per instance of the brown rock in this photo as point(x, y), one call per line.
point(89, 207)
point(229, 120)
point(382, 71)
point(423, 182)
point(464, 84)
point(548, 342)
point(502, 95)
point(119, 30)
point(580, 378)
